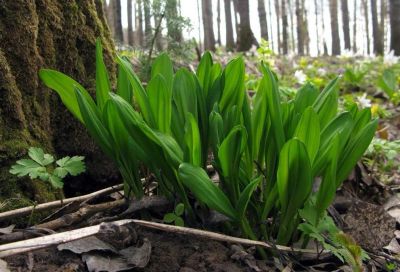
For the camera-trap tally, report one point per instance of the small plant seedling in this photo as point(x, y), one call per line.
point(44, 167)
point(176, 216)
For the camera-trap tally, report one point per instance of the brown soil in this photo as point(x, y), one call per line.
point(170, 252)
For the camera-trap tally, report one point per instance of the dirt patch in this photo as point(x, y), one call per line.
point(170, 252)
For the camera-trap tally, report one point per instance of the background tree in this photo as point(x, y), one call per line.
point(230, 43)
point(382, 23)
point(366, 17)
point(118, 32)
point(317, 25)
point(219, 22)
point(245, 37)
point(346, 23)
point(130, 27)
point(209, 39)
point(284, 28)
point(139, 23)
point(376, 31)
point(300, 30)
point(355, 27)
point(305, 28)
point(278, 25)
point(333, 9)
point(173, 26)
point(262, 15)
point(147, 23)
point(395, 26)
point(53, 34)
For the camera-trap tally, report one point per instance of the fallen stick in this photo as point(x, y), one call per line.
point(68, 236)
point(56, 204)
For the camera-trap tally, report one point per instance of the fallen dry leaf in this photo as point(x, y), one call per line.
point(86, 245)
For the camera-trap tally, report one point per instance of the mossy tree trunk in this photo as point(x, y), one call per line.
point(55, 34)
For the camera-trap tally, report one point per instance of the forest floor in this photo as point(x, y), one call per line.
point(367, 207)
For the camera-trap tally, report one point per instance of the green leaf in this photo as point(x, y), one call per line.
point(162, 65)
point(326, 103)
point(179, 222)
point(124, 88)
point(37, 154)
point(56, 181)
point(204, 72)
point(65, 87)
point(308, 132)
point(103, 86)
point(27, 167)
point(160, 103)
point(259, 117)
point(387, 82)
point(179, 209)
point(169, 218)
point(197, 181)
point(245, 197)
point(193, 141)
point(305, 97)
point(70, 165)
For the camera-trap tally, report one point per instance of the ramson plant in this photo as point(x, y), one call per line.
point(273, 157)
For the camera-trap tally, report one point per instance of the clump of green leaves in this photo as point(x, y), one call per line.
point(268, 150)
point(44, 167)
point(176, 216)
point(354, 76)
point(388, 83)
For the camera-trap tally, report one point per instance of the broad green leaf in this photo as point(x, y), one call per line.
point(197, 181)
point(37, 154)
point(27, 167)
point(179, 209)
point(308, 132)
point(387, 82)
point(354, 150)
point(234, 88)
point(326, 103)
point(102, 82)
point(193, 141)
point(169, 218)
point(179, 222)
point(160, 103)
point(204, 72)
point(216, 129)
point(184, 93)
point(65, 87)
point(124, 87)
point(70, 165)
point(56, 181)
point(259, 117)
point(305, 97)
point(162, 65)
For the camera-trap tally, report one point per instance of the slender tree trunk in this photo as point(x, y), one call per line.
point(236, 12)
point(355, 27)
point(278, 25)
point(147, 22)
point(346, 23)
point(323, 29)
point(376, 32)
point(271, 33)
point(263, 19)
point(333, 8)
point(139, 23)
point(230, 43)
point(317, 25)
point(394, 26)
point(130, 27)
point(284, 28)
point(305, 28)
point(246, 37)
point(300, 35)
point(199, 24)
point(157, 16)
point(382, 23)
point(119, 34)
point(292, 30)
point(366, 16)
point(219, 22)
point(209, 39)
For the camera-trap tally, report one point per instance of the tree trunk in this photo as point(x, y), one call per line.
point(230, 43)
point(346, 23)
point(305, 28)
point(333, 9)
point(209, 39)
point(317, 25)
point(263, 19)
point(219, 22)
point(157, 15)
point(376, 32)
point(323, 29)
point(355, 27)
point(382, 23)
point(236, 12)
point(366, 16)
point(53, 34)
point(118, 32)
point(278, 25)
point(271, 33)
point(174, 30)
point(284, 28)
point(300, 35)
point(109, 10)
point(394, 26)
point(139, 23)
point(246, 37)
point(292, 30)
point(130, 27)
point(147, 23)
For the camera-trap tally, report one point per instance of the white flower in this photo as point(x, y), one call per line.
point(363, 101)
point(300, 76)
point(321, 71)
point(390, 59)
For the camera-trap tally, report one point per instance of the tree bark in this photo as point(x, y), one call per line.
point(346, 23)
point(139, 23)
point(209, 39)
point(333, 8)
point(271, 33)
point(366, 16)
point(147, 23)
point(394, 26)
point(118, 32)
point(300, 35)
point(382, 23)
point(278, 25)
point(376, 32)
point(130, 27)
point(263, 19)
point(323, 29)
point(292, 29)
point(230, 43)
point(246, 37)
point(317, 25)
point(54, 34)
point(305, 28)
point(284, 28)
